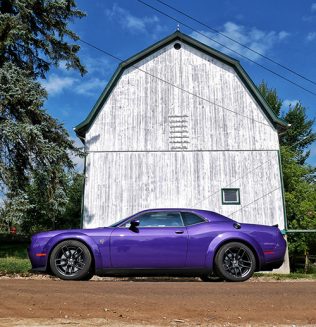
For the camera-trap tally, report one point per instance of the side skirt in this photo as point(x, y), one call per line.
point(152, 272)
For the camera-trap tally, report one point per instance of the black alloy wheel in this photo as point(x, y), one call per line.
point(71, 260)
point(235, 262)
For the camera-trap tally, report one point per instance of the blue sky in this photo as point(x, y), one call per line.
point(282, 30)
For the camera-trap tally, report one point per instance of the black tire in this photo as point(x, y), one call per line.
point(211, 277)
point(71, 260)
point(235, 262)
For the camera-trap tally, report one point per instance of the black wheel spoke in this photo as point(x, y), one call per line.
point(247, 261)
point(65, 251)
point(232, 253)
point(79, 265)
point(240, 249)
point(77, 253)
point(60, 262)
point(242, 264)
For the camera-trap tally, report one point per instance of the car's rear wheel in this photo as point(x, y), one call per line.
point(235, 262)
point(71, 260)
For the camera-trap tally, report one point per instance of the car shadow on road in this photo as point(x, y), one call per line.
point(155, 279)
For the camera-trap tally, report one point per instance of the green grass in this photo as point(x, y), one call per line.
point(14, 259)
point(12, 265)
point(287, 276)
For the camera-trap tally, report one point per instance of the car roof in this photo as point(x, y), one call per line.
point(209, 215)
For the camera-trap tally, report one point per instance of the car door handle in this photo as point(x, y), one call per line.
point(179, 232)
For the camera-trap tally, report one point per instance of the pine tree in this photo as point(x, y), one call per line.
point(35, 149)
point(34, 35)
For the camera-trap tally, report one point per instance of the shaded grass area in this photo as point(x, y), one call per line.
point(16, 250)
point(13, 258)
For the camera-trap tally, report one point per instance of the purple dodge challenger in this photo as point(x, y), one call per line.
point(178, 242)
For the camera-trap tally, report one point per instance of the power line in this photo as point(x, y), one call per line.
point(248, 172)
point(237, 42)
point(173, 85)
point(228, 48)
point(121, 60)
point(248, 204)
point(215, 104)
point(234, 181)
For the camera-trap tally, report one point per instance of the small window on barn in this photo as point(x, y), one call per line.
point(230, 196)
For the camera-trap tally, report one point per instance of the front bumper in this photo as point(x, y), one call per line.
point(37, 255)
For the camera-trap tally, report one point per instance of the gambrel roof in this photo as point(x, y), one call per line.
point(278, 123)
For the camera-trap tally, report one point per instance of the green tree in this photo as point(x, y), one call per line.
point(271, 97)
point(35, 149)
point(53, 204)
point(72, 215)
point(300, 135)
point(34, 34)
point(298, 176)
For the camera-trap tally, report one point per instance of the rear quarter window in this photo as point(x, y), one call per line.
point(191, 219)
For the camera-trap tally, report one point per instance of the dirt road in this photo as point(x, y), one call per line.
point(123, 303)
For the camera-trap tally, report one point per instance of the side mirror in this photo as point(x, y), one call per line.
point(134, 223)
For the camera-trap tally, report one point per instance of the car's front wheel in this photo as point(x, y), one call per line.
point(235, 262)
point(71, 260)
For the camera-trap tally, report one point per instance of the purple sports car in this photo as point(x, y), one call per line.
point(178, 242)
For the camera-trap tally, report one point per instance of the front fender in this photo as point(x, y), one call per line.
point(78, 237)
point(220, 239)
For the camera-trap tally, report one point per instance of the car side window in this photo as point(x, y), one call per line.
point(159, 219)
point(191, 219)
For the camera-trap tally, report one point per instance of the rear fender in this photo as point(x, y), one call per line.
point(221, 239)
point(88, 241)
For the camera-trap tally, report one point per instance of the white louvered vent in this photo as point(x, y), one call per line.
point(179, 138)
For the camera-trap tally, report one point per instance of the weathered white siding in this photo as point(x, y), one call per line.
point(136, 115)
point(155, 145)
point(142, 180)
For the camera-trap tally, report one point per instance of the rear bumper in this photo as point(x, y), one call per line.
point(272, 265)
point(274, 259)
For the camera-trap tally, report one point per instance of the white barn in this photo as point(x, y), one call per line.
point(182, 125)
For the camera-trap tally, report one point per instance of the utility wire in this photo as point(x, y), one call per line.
point(121, 60)
point(228, 48)
point(234, 181)
point(237, 42)
point(248, 172)
point(173, 85)
point(248, 204)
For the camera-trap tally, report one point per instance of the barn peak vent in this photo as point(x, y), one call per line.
point(179, 132)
